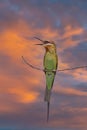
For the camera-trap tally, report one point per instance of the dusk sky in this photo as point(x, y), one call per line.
point(22, 88)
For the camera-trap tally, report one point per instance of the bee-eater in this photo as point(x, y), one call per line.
point(50, 64)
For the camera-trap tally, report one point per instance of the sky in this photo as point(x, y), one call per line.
point(22, 88)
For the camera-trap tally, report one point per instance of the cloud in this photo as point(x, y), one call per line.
point(70, 91)
point(74, 118)
point(23, 95)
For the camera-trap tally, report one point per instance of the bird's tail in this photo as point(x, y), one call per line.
point(47, 95)
point(48, 106)
point(47, 99)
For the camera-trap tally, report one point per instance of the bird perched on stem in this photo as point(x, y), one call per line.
point(50, 63)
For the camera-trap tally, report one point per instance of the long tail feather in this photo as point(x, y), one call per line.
point(47, 95)
point(48, 106)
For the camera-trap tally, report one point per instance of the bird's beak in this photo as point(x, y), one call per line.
point(43, 42)
point(39, 44)
point(39, 40)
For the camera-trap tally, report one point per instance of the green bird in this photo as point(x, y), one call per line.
point(50, 64)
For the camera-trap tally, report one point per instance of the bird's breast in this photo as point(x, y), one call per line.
point(50, 62)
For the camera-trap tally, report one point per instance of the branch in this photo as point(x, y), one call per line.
point(73, 68)
point(31, 65)
point(79, 67)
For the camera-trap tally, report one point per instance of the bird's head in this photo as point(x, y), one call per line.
point(48, 45)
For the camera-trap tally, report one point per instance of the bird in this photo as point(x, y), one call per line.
point(50, 64)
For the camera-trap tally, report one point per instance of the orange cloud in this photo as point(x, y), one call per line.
point(15, 90)
point(23, 95)
point(69, 31)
